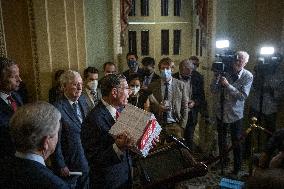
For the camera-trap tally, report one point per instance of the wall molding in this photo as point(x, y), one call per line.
point(36, 70)
point(3, 49)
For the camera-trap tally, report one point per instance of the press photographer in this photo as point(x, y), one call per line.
point(231, 87)
point(267, 90)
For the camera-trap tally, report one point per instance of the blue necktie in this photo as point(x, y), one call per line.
point(77, 111)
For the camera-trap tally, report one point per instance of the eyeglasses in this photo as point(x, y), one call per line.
point(127, 88)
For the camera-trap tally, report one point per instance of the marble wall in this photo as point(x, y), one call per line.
point(44, 36)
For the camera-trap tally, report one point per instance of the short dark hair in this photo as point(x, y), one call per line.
point(148, 61)
point(57, 74)
point(110, 81)
point(90, 70)
point(134, 77)
point(166, 60)
point(194, 58)
point(108, 63)
point(5, 64)
point(132, 53)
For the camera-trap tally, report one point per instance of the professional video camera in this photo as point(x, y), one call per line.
point(224, 62)
point(268, 64)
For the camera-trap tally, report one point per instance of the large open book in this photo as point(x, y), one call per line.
point(141, 125)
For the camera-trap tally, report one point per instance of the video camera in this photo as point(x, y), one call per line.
point(224, 62)
point(268, 64)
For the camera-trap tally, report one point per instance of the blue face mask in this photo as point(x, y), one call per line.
point(132, 64)
point(166, 73)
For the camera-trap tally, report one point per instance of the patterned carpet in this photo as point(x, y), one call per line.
point(212, 179)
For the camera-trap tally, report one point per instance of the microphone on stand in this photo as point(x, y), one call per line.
point(176, 141)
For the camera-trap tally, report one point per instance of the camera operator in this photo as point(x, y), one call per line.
point(267, 92)
point(233, 88)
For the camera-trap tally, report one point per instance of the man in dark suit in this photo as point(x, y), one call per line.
point(169, 100)
point(69, 153)
point(148, 72)
point(91, 91)
point(34, 128)
point(133, 65)
point(9, 101)
point(195, 86)
point(108, 156)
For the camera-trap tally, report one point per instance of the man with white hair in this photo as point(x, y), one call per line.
point(35, 139)
point(233, 87)
point(195, 90)
point(69, 153)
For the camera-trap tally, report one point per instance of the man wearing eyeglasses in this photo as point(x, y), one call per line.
point(108, 156)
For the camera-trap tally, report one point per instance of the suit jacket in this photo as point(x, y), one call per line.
point(197, 93)
point(19, 173)
point(91, 105)
point(6, 112)
point(69, 151)
point(107, 170)
point(179, 100)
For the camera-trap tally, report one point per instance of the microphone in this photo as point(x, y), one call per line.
point(176, 141)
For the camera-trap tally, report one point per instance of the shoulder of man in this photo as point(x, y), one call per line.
point(247, 74)
point(17, 97)
point(176, 75)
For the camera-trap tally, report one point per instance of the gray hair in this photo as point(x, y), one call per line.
point(68, 76)
point(244, 56)
point(31, 123)
point(186, 62)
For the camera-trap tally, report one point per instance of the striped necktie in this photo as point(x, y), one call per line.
point(12, 102)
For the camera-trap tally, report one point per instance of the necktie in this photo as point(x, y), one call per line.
point(94, 95)
point(166, 95)
point(117, 114)
point(12, 102)
point(146, 80)
point(77, 111)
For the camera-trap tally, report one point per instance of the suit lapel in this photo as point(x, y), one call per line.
point(5, 107)
point(157, 90)
point(106, 114)
point(70, 112)
point(83, 105)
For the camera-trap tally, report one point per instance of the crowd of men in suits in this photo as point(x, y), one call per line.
point(88, 109)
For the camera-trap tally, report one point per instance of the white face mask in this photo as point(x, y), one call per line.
point(135, 90)
point(93, 85)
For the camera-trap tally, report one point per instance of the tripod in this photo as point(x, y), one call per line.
point(222, 98)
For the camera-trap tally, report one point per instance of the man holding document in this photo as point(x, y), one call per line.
point(108, 155)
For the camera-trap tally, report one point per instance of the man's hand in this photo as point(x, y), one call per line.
point(155, 141)
point(224, 81)
point(64, 172)
point(124, 141)
point(191, 103)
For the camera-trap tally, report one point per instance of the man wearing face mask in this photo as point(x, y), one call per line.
point(148, 67)
point(133, 65)
point(91, 90)
point(169, 100)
